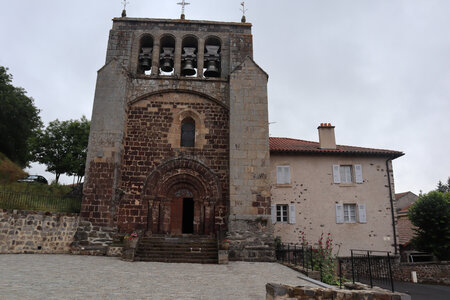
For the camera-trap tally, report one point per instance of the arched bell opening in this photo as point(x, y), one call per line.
point(167, 56)
point(212, 61)
point(181, 196)
point(145, 55)
point(189, 56)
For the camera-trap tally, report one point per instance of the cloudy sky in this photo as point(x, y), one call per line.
point(377, 70)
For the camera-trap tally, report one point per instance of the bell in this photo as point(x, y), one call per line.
point(145, 58)
point(167, 65)
point(188, 68)
point(212, 69)
point(146, 64)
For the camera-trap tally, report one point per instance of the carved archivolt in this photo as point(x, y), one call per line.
point(182, 173)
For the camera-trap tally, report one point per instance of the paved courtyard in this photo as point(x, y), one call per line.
point(39, 276)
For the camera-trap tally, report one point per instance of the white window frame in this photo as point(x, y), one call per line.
point(284, 174)
point(282, 213)
point(346, 174)
point(349, 212)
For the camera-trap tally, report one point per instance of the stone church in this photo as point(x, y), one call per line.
point(179, 142)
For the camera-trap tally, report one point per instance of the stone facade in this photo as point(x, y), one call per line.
point(314, 197)
point(321, 190)
point(427, 272)
point(36, 232)
point(280, 291)
point(140, 177)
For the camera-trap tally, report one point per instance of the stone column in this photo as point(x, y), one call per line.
point(200, 57)
point(177, 62)
point(155, 58)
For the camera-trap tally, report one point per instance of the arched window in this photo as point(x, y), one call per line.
point(188, 133)
point(212, 57)
point(145, 55)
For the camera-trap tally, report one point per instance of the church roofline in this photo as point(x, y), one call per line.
point(180, 21)
point(238, 67)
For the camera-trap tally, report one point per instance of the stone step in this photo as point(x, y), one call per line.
point(184, 246)
point(171, 255)
point(188, 249)
point(179, 260)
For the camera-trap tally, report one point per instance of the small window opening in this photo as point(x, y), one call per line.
point(188, 133)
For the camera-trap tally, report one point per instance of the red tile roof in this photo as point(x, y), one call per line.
point(278, 144)
point(399, 195)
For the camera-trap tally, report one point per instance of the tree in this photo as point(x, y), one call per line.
point(62, 146)
point(442, 187)
point(431, 214)
point(19, 120)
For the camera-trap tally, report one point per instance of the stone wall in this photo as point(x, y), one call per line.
point(250, 229)
point(279, 291)
point(153, 137)
point(94, 240)
point(36, 232)
point(427, 272)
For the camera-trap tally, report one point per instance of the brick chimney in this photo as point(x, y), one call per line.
point(327, 139)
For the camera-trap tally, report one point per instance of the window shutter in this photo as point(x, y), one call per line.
point(358, 174)
point(283, 174)
point(279, 174)
point(362, 213)
point(291, 213)
point(273, 211)
point(287, 174)
point(339, 213)
point(336, 174)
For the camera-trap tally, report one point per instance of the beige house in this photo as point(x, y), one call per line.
point(327, 188)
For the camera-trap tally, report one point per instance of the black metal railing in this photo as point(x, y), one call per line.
point(300, 256)
point(30, 201)
point(372, 267)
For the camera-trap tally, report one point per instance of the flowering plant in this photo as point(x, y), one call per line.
point(131, 236)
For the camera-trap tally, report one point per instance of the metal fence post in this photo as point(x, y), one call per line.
point(340, 273)
point(370, 269)
point(390, 272)
point(353, 267)
point(295, 254)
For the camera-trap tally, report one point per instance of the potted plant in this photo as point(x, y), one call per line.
point(225, 244)
point(131, 240)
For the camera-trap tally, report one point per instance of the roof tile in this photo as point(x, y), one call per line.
point(279, 144)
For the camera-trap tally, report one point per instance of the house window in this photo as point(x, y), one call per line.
point(282, 213)
point(346, 173)
point(283, 175)
point(349, 213)
point(188, 133)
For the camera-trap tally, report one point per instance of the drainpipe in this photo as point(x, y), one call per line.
point(392, 205)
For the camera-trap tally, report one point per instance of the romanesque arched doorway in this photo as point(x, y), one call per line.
point(181, 195)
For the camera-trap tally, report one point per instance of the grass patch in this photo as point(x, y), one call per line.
point(9, 171)
point(41, 197)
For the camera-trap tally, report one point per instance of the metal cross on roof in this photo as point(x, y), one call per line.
point(243, 11)
point(243, 8)
point(124, 2)
point(183, 4)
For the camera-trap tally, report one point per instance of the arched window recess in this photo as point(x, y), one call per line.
point(188, 132)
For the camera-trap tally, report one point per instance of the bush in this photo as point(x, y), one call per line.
point(431, 214)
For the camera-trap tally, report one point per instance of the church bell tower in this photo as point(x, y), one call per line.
point(179, 135)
